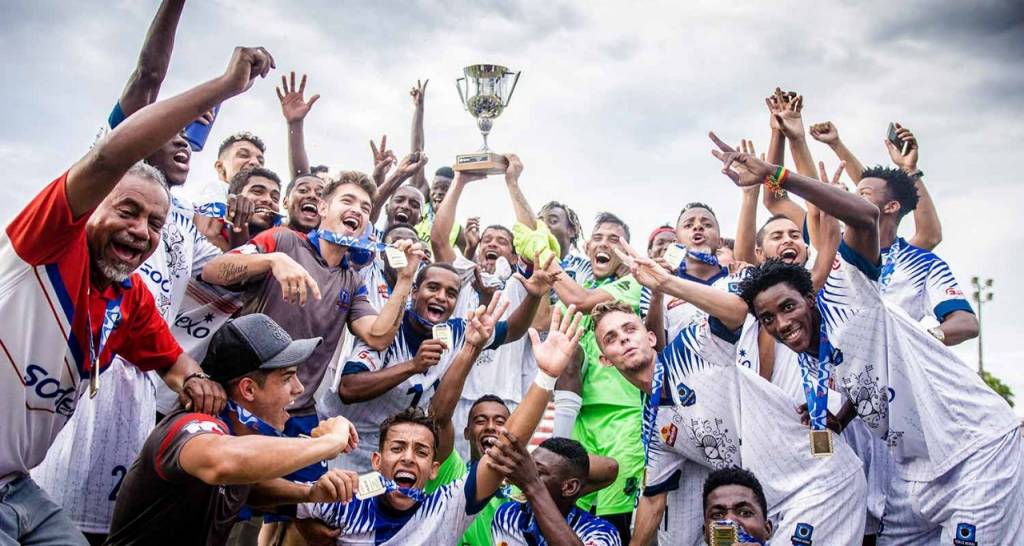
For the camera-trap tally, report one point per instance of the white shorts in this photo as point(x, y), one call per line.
point(833, 515)
point(979, 501)
point(878, 465)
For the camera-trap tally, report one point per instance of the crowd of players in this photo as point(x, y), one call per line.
point(284, 366)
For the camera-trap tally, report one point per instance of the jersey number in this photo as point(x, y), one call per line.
point(417, 393)
point(118, 471)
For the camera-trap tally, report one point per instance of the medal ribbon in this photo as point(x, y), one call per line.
point(111, 320)
point(219, 211)
point(889, 263)
point(650, 413)
point(702, 257)
point(816, 389)
point(248, 420)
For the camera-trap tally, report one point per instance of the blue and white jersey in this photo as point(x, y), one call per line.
point(514, 525)
point(578, 268)
point(920, 283)
point(718, 414)
point(416, 390)
point(911, 390)
point(377, 287)
point(680, 313)
point(440, 519)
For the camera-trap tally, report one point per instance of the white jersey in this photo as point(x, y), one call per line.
point(377, 287)
point(440, 519)
point(86, 463)
point(718, 414)
point(514, 525)
point(680, 314)
point(920, 283)
point(911, 390)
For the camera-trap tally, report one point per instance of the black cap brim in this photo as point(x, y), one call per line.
point(295, 353)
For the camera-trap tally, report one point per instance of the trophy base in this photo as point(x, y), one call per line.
point(481, 162)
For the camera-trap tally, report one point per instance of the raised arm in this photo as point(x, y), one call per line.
point(444, 218)
point(537, 287)
point(825, 229)
point(93, 176)
point(927, 226)
point(144, 84)
point(827, 133)
point(521, 207)
point(294, 108)
point(779, 110)
point(746, 226)
point(553, 356)
point(791, 121)
point(860, 216)
point(419, 93)
point(379, 331)
point(383, 161)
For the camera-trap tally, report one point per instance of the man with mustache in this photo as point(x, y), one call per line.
point(951, 446)
point(77, 277)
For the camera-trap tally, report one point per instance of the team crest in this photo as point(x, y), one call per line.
point(802, 535)
point(686, 395)
point(966, 535)
point(668, 434)
point(344, 300)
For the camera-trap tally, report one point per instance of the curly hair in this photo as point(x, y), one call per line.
point(734, 475)
point(241, 178)
point(898, 184)
point(244, 136)
point(412, 415)
point(570, 215)
point(573, 452)
point(771, 272)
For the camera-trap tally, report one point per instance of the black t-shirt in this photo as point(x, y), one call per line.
point(159, 503)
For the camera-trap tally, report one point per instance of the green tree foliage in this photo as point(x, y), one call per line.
point(996, 384)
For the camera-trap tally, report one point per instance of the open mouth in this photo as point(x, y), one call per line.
point(182, 158)
point(309, 211)
point(127, 253)
point(405, 478)
point(488, 441)
point(789, 253)
point(435, 312)
point(351, 223)
point(402, 217)
point(602, 258)
point(791, 335)
point(490, 255)
point(697, 238)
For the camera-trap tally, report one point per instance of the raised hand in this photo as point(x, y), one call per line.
point(747, 147)
point(906, 162)
point(414, 256)
point(410, 164)
point(464, 177)
point(825, 132)
point(202, 395)
point(511, 459)
point(743, 169)
point(340, 430)
point(419, 92)
point(646, 271)
point(295, 281)
point(293, 105)
point(543, 277)
point(246, 64)
point(240, 210)
point(834, 181)
point(555, 354)
point(383, 159)
point(472, 232)
point(429, 354)
point(786, 116)
point(515, 167)
point(481, 321)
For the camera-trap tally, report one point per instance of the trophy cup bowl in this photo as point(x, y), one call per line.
point(485, 92)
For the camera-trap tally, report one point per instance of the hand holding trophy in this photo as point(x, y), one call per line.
point(485, 92)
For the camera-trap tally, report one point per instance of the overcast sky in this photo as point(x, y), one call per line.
point(611, 111)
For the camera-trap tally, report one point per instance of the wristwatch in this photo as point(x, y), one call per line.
point(195, 375)
point(938, 334)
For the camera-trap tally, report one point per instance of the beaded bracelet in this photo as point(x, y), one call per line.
point(775, 181)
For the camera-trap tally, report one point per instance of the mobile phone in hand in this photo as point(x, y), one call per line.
point(900, 144)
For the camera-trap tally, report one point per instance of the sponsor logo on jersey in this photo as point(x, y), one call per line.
point(686, 395)
point(202, 426)
point(632, 486)
point(675, 302)
point(966, 535)
point(955, 292)
point(47, 393)
point(668, 434)
point(344, 300)
point(802, 535)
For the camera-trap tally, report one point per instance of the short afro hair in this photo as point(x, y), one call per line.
point(696, 205)
point(609, 218)
point(445, 172)
point(423, 271)
point(412, 415)
point(350, 177)
point(317, 169)
point(774, 271)
point(734, 475)
point(898, 184)
point(398, 225)
point(244, 136)
point(573, 452)
point(488, 398)
point(294, 181)
point(241, 178)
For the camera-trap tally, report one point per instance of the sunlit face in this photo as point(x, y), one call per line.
point(438, 189)
point(125, 228)
point(485, 423)
point(173, 160)
point(784, 240)
point(238, 157)
point(265, 195)
point(625, 343)
point(407, 458)
point(662, 241)
point(876, 191)
point(303, 204)
point(697, 229)
point(787, 315)
point(405, 206)
point(558, 224)
point(434, 297)
point(494, 243)
point(346, 211)
point(600, 248)
point(270, 401)
point(739, 504)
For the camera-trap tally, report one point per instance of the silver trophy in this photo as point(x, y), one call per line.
point(485, 92)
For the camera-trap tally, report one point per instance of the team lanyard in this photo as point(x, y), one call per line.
point(816, 390)
point(248, 419)
point(111, 320)
point(219, 211)
point(889, 264)
point(650, 413)
point(702, 257)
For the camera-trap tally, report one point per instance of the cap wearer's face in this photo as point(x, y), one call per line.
point(494, 243)
point(738, 503)
point(787, 315)
point(697, 228)
point(173, 159)
point(265, 195)
point(783, 239)
point(405, 206)
point(625, 343)
point(270, 402)
point(125, 228)
point(434, 297)
point(485, 423)
point(238, 157)
point(661, 242)
point(303, 203)
point(346, 211)
point(601, 248)
point(407, 457)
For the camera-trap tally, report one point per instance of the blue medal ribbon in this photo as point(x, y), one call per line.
point(248, 420)
point(219, 211)
point(702, 257)
point(361, 248)
point(889, 263)
point(816, 389)
point(650, 413)
point(111, 320)
point(391, 487)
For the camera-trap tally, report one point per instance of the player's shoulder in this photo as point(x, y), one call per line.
point(594, 529)
point(917, 258)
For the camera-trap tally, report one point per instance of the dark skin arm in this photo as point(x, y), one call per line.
point(92, 177)
point(367, 385)
point(419, 180)
point(958, 327)
point(410, 165)
point(444, 217)
point(144, 84)
point(746, 226)
point(295, 107)
point(860, 216)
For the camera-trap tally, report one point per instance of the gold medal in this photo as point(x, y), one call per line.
point(821, 443)
point(443, 332)
point(370, 485)
point(396, 258)
point(722, 533)
point(94, 380)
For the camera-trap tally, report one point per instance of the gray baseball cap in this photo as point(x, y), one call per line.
point(254, 342)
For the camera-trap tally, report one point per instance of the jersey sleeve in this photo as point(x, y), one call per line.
point(203, 252)
point(706, 343)
point(362, 359)
point(188, 426)
point(360, 306)
point(943, 293)
point(264, 242)
point(599, 532)
point(42, 232)
point(852, 285)
point(148, 344)
point(664, 467)
point(334, 514)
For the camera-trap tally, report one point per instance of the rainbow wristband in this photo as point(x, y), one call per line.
point(775, 181)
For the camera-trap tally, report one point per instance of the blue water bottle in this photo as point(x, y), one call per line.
point(196, 133)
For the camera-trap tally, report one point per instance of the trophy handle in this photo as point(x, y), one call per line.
point(462, 97)
point(513, 90)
